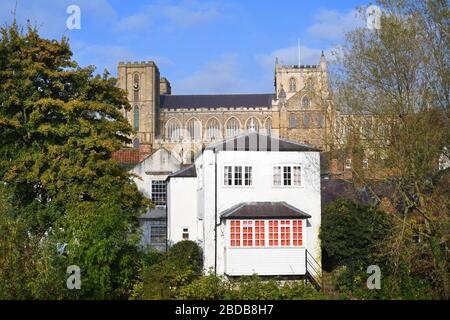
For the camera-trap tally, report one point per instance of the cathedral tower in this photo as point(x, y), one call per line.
point(141, 80)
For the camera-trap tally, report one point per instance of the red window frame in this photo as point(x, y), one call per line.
point(260, 233)
point(247, 233)
point(297, 236)
point(235, 233)
point(285, 233)
point(273, 233)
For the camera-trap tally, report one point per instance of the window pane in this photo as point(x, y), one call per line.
point(248, 176)
point(247, 233)
point(287, 176)
point(259, 233)
point(157, 234)
point(273, 233)
point(235, 233)
point(159, 197)
point(285, 233)
point(238, 176)
point(297, 176)
point(228, 176)
point(297, 233)
point(277, 176)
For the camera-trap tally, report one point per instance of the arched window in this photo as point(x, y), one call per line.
point(136, 118)
point(136, 143)
point(321, 121)
point(306, 121)
point(173, 128)
point(136, 86)
point(292, 85)
point(213, 129)
point(253, 124)
point(232, 127)
point(194, 129)
point(306, 102)
point(268, 126)
point(292, 121)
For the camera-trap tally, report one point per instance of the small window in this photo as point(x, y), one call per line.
point(306, 103)
point(238, 176)
point(247, 233)
point(157, 234)
point(286, 176)
point(248, 176)
point(159, 192)
point(365, 163)
point(136, 143)
point(228, 175)
point(136, 118)
point(185, 234)
point(306, 121)
point(235, 233)
point(348, 163)
point(321, 121)
point(292, 85)
point(297, 175)
point(292, 121)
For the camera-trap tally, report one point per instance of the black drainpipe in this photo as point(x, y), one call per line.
point(215, 211)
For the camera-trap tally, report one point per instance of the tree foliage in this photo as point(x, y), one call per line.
point(59, 125)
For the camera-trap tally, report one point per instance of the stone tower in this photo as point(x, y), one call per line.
point(141, 80)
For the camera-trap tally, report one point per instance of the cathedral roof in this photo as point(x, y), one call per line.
point(216, 100)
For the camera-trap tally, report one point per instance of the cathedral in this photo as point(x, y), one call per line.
point(299, 109)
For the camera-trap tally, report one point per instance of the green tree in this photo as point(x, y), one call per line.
point(59, 125)
point(397, 79)
point(352, 233)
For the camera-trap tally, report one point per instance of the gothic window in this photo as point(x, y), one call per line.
point(292, 85)
point(268, 126)
point(136, 86)
point(212, 129)
point(306, 121)
point(306, 103)
point(136, 118)
point(253, 123)
point(321, 121)
point(194, 128)
point(292, 121)
point(232, 127)
point(136, 143)
point(173, 129)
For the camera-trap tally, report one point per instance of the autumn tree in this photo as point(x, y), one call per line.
point(59, 125)
point(394, 82)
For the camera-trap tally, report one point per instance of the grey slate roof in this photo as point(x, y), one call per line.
point(216, 100)
point(188, 172)
point(254, 141)
point(264, 210)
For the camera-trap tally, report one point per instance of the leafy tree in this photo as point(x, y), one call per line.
point(352, 233)
point(395, 83)
point(59, 125)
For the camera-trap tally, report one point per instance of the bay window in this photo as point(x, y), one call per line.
point(265, 233)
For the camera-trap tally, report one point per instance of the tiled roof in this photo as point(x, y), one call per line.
point(264, 210)
point(216, 100)
point(128, 157)
point(254, 141)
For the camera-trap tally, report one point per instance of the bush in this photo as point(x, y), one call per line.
point(351, 233)
point(186, 254)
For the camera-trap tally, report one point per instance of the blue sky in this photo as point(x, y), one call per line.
point(200, 46)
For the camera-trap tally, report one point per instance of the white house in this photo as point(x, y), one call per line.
point(253, 204)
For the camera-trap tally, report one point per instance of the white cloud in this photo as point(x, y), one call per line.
point(219, 76)
point(332, 25)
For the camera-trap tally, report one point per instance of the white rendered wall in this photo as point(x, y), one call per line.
point(306, 197)
point(182, 209)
